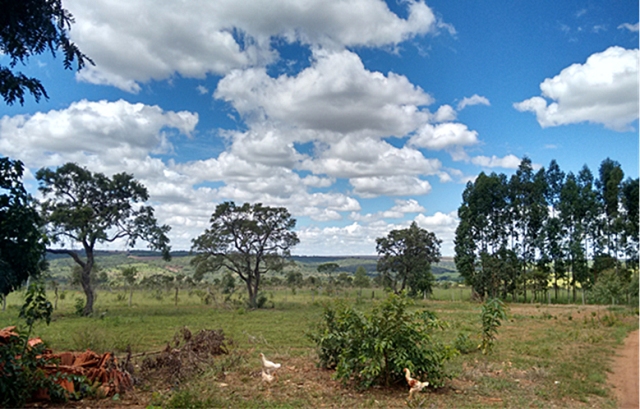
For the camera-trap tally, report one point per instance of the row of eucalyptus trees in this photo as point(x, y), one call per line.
point(543, 226)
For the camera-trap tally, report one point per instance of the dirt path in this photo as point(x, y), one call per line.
point(624, 378)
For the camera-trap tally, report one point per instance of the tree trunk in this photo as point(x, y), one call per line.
point(130, 296)
point(86, 283)
point(252, 294)
point(88, 291)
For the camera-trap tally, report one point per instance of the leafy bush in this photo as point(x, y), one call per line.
point(611, 288)
point(372, 349)
point(493, 313)
point(464, 344)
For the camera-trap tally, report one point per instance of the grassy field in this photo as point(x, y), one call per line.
point(545, 355)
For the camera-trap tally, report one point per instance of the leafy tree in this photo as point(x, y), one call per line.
point(249, 240)
point(360, 278)
point(294, 280)
point(327, 269)
point(91, 208)
point(129, 274)
point(406, 257)
point(22, 244)
point(31, 27)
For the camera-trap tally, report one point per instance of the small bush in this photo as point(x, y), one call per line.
point(464, 344)
point(372, 349)
point(79, 307)
point(493, 313)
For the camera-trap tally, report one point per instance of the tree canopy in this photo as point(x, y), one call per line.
point(406, 258)
point(22, 244)
point(249, 240)
point(31, 27)
point(89, 208)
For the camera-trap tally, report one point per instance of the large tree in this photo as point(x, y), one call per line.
point(31, 27)
point(406, 258)
point(22, 245)
point(90, 208)
point(249, 240)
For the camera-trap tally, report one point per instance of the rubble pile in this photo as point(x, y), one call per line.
point(102, 371)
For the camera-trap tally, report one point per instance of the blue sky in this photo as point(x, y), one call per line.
point(358, 116)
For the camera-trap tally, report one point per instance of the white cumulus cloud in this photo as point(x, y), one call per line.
point(603, 90)
point(135, 41)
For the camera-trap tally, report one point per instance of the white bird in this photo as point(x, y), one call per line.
point(268, 366)
point(266, 377)
point(414, 384)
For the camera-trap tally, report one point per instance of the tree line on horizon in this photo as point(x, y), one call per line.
point(521, 233)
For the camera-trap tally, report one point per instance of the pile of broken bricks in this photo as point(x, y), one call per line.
point(101, 370)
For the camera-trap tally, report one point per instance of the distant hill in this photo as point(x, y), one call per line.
point(150, 262)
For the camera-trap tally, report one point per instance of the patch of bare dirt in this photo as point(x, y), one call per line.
point(624, 378)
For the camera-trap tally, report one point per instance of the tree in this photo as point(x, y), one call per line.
point(31, 27)
point(609, 186)
point(630, 205)
point(91, 208)
point(327, 269)
point(528, 202)
point(249, 240)
point(22, 244)
point(406, 257)
point(129, 274)
point(360, 278)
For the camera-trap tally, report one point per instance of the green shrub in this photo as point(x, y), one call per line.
point(464, 344)
point(372, 349)
point(79, 307)
point(493, 313)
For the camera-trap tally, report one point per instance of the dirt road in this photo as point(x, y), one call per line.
point(624, 378)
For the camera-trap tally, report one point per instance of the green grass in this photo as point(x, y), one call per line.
point(544, 355)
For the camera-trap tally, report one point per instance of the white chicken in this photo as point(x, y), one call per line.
point(268, 366)
point(266, 377)
point(414, 384)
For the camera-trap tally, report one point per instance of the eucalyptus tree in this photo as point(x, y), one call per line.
point(552, 254)
point(529, 210)
point(630, 199)
point(573, 216)
point(406, 258)
point(483, 231)
point(609, 186)
point(249, 240)
point(90, 209)
point(22, 243)
point(589, 210)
